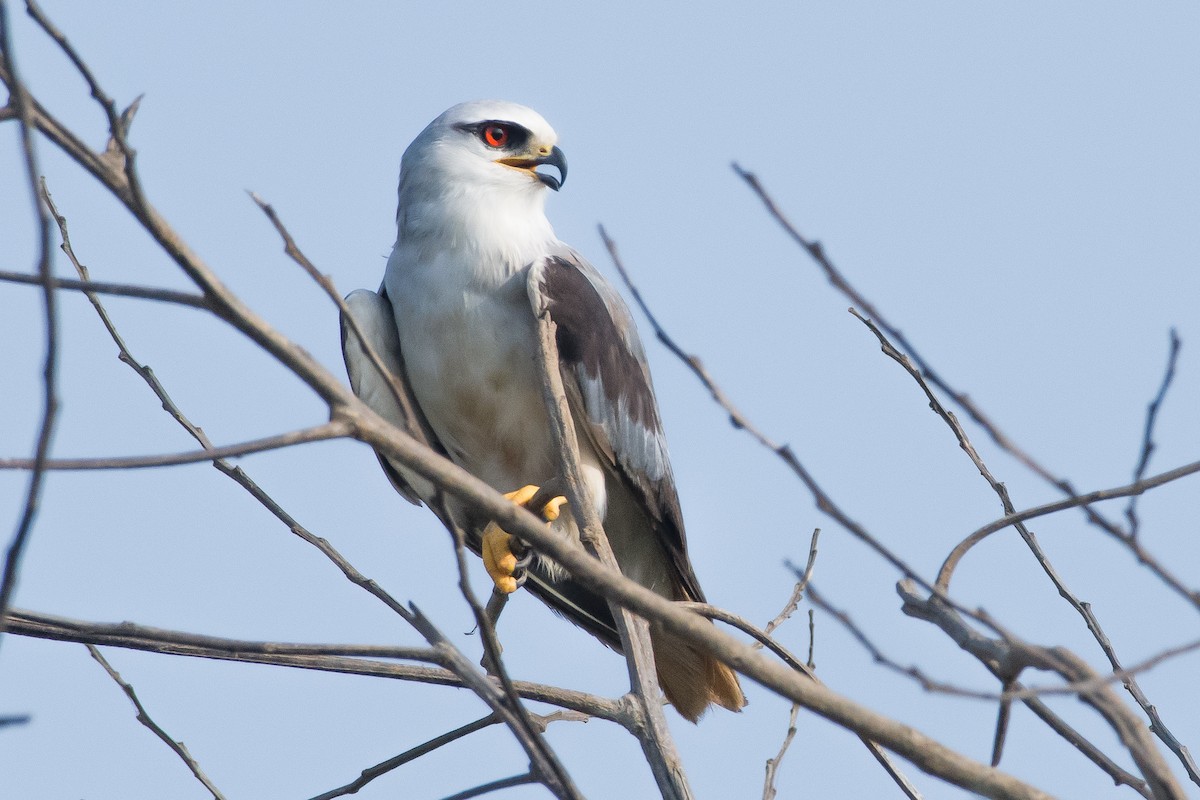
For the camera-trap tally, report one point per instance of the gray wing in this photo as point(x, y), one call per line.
point(611, 388)
point(373, 313)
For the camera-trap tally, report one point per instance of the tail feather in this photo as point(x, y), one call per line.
point(692, 679)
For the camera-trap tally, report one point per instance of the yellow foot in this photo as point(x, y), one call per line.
point(498, 557)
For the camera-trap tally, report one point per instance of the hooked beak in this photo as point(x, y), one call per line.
point(555, 158)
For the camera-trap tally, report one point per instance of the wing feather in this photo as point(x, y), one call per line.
point(610, 387)
point(373, 313)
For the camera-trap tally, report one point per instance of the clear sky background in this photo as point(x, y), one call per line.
point(1016, 185)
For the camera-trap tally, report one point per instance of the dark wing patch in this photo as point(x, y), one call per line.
point(598, 346)
point(588, 340)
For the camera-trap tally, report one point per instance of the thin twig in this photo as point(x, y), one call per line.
point(773, 763)
point(879, 657)
point(118, 153)
point(144, 717)
point(1134, 489)
point(400, 391)
point(793, 602)
point(784, 452)
point(20, 101)
point(382, 768)
point(817, 253)
point(334, 429)
point(1118, 675)
point(1148, 445)
point(764, 639)
point(495, 786)
point(761, 637)
point(345, 659)
point(189, 299)
point(812, 638)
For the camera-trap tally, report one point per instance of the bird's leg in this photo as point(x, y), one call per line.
point(499, 557)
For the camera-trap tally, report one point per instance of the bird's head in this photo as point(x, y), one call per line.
point(487, 143)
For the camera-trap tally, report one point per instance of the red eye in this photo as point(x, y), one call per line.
point(495, 135)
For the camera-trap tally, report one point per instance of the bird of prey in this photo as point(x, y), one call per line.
point(454, 321)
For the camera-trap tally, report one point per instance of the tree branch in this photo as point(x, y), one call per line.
point(345, 659)
point(188, 299)
point(1006, 658)
point(1133, 489)
point(335, 429)
point(382, 768)
point(21, 101)
point(495, 786)
point(144, 717)
point(1148, 446)
point(653, 735)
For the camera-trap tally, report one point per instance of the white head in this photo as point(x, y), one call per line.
point(475, 168)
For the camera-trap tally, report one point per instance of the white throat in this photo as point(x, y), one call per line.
point(499, 224)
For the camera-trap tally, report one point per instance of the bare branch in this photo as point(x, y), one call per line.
point(417, 427)
point(119, 289)
point(126, 357)
point(495, 786)
point(20, 101)
point(1107, 678)
point(373, 430)
point(784, 452)
point(339, 658)
point(1084, 609)
point(879, 657)
point(118, 154)
point(492, 648)
point(382, 768)
point(764, 639)
point(1148, 438)
point(371, 773)
point(773, 763)
point(318, 433)
point(816, 252)
point(793, 602)
point(654, 736)
point(529, 737)
point(1008, 657)
point(1133, 489)
point(144, 717)
point(761, 637)
point(546, 766)
point(839, 282)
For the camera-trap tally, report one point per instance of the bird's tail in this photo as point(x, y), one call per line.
point(692, 679)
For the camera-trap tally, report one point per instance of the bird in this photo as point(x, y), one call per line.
point(453, 321)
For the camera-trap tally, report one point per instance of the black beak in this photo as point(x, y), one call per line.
point(555, 159)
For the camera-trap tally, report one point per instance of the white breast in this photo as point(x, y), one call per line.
point(468, 345)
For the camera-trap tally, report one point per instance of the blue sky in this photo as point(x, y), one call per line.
point(1016, 186)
